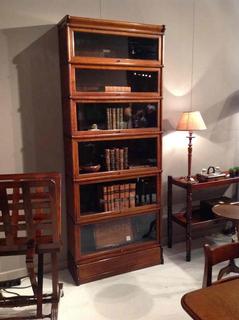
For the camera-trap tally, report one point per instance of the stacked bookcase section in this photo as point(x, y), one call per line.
point(112, 110)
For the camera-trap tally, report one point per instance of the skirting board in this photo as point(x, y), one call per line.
point(21, 272)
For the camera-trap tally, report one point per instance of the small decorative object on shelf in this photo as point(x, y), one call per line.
point(212, 173)
point(91, 168)
point(117, 89)
point(94, 127)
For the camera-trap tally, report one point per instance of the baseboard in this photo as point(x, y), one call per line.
point(21, 272)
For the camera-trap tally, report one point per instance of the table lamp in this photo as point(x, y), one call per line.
point(190, 121)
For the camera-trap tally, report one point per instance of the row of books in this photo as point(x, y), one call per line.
point(116, 159)
point(115, 118)
point(119, 196)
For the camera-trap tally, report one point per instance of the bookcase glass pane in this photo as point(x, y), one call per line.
point(117, 195)
point(117, 155)
point(118, 233)
point(114, 46)
point(93, 80)
point(110, 116)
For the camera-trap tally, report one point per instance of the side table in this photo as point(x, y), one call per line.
point(191, 218)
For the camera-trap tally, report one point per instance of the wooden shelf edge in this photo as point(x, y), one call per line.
point(115, 96)
point(112, 215)
point(203, 185)
point(85, 271)
point(116, 175)
point(180, 219)
point(112, 25)
point(124, 62)
point(117, 133)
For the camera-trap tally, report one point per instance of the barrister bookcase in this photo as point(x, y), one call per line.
point(111, 75)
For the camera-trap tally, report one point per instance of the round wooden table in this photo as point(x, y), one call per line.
point(229, 211)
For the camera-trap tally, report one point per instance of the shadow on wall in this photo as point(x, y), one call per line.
point(40, 102)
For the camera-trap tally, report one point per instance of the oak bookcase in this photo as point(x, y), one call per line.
point(111, 75)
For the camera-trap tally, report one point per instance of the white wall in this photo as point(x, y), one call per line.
point(30, 104)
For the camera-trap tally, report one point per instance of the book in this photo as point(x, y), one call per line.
point(117, 118)
point(116, 197)
point(125, 161)
point(126, 196)
point(113, 233)
point(117, 89)
point(112, 159)
point(107, 159)
point(105, 198)
point(132, 192)
point(121, 202)
point(108, 118)
point(117, 158)
point(114, 118)
point(110, 198)
point(121, 120)
point(121, 159)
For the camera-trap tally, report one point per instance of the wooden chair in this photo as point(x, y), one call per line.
point(217, 255)
point(30, 225)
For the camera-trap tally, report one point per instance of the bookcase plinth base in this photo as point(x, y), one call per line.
point(87, 272)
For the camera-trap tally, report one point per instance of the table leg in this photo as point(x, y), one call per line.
point(188, 224)
point(170, 213)
point(231, 267)
point(40, 285)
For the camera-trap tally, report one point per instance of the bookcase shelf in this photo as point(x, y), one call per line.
point(111, 75)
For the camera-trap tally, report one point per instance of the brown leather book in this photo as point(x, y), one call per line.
point(121, 158)
point(125, 152)
point(108, 113)
point(112, 159)
point(132, 192)
point(117, 158)
point(105, 198)
point(116, 197)
point(107, 159)
point(121, 202)
point(114, 125)
point(126, 195)
point(117, 118)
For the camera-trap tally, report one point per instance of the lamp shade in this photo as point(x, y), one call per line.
point(191, 121)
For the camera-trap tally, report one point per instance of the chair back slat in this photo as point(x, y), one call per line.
point(29, 210)
point(6, 217)
point(215, 255)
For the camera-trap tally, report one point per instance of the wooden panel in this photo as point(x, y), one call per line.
point(110, 25)
point(95, 265)
point(115, 265)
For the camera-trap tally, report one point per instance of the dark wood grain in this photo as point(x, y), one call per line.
point(192, 218)
point(88, 267)
point(30, 221)
point(217, 302)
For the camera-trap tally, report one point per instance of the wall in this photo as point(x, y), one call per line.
point(30, 108)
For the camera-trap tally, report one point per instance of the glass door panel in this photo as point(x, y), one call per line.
point(118, 233)
point(126, 81)
point(117, 196)
point(117, 155)
point(115, 46)
point(110, 116)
